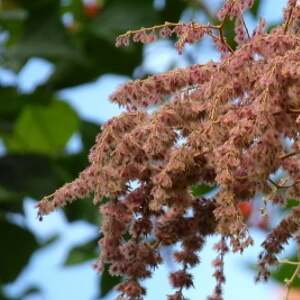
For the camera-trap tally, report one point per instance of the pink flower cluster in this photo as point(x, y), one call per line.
point(187, 33)
point(234, 8)
point(221, 124)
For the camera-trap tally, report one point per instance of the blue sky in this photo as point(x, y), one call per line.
point(79, 282)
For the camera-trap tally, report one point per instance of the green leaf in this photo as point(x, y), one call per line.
point(202, 189)
point(285, 271)
point(83, 209)
point(103, 57)
point(10, 201)
point(43, 129)
point(88, 131)
point(291, 203)
point(108, 282)
point(12, 18)
point(12, 15)
point(3, 296)
point(11, 105)
point(173, 10)
point(97, 40)
point(228, 31)
point(81, 254)
point(30, 175)
point(118, 17)
point(20, 244)
point(43, 35)
point(50, 240)
point(255, 9)
point(76, 7)
point(32, 290)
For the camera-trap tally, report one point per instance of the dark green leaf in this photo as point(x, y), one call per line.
point(20, 244)
point(83, 209)
point(10, 201)
point(118, 17)
point(43, 36)
point(50, 240)
point(11, 105)
point(3, 296)
point(31, 175)
point(173, 10)
point(81, 254)
point(103, 57)
point(33, 290)
point(12, 18)
point(98, 43)
point(12, 15)
point(88, 131)
point(108, 282)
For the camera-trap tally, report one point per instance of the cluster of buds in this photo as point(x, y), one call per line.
point(222, 124)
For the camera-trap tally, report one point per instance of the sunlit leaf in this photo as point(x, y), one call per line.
point(43, 129)
point(286, 271)
point(202, 189)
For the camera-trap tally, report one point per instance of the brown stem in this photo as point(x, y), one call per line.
point(283, 156)
point(288, 21)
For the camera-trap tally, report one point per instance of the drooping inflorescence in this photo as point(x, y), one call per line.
point(222, 124)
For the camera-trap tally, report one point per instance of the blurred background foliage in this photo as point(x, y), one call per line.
point(78, 38)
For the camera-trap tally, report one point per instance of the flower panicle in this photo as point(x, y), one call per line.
point(157, 88)
point(80, 188)
point(220, 124)
point(187, 33)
